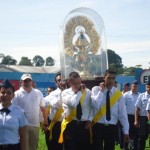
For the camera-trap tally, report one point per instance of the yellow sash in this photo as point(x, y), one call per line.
point(48, 109)
point(55, 119)
point(70, 118)
point(114, 98)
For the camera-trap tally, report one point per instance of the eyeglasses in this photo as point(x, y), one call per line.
point(27, 80)
point(111, 78)
point(7, 93)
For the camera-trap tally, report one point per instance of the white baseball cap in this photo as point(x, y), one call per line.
point(26, 76)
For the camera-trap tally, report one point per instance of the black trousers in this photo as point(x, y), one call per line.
point(47, 133)
point(133, 131)
point(53, 143)
point(10, 147)
point(76, 137)
point(143, 132)
point(133, 134)
point(104, 137)
point(120, 135)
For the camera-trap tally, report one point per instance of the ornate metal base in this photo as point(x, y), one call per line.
point(91, 83)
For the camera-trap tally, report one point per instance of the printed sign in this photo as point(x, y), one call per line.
point(145, 76)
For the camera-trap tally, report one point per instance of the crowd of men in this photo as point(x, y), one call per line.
point(73, 116)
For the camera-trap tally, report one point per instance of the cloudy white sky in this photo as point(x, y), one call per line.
point(31, 27)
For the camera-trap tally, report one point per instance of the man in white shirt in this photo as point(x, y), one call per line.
point(31, 101)
point(130, 99)
point(54, 103)
point(125, 88)
point(76, 102)
point(108, 106)
point(141, 120)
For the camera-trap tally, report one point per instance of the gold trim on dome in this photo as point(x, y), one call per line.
point(90, 30)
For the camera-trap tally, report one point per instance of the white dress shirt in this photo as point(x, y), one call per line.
point(142, 102)
point(70, 101)
point(118, 110)
point(54, 100)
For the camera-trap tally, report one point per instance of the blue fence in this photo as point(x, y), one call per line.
point(44, 80)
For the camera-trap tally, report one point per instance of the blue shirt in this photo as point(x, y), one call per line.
point(10, 124)
point(130, 99)
point(142, 102)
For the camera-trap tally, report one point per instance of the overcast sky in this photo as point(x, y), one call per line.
point(31, 27)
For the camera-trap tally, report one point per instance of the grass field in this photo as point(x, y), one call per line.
point(42, 144)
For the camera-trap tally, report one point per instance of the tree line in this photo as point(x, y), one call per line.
point(25, 61)
point(114, 62)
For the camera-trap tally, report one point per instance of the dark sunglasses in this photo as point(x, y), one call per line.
point(58, 80)
point(27, 80)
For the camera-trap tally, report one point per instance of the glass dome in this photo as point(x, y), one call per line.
point(82, 44)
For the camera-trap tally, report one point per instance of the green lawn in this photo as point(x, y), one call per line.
point(42, 144)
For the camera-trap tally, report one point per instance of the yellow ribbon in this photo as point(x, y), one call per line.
point(48, 109)
point(70, 118)
point(55, 119)
point(114, 98)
